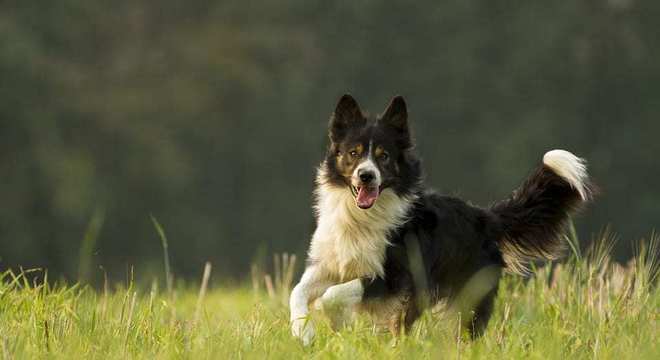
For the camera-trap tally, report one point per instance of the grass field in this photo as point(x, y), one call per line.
point(587, 307)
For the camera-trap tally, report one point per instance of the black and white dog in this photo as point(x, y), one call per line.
point(386, 245)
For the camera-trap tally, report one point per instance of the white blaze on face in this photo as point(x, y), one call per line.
point(367, 193)
point(367, 165)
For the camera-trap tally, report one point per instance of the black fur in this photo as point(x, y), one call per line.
point(457, 240)
point(533, 219)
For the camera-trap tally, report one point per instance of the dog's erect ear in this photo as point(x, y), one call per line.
point(396, 114)
point(396, 117)
point(347, 114)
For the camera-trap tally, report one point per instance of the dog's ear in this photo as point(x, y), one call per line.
point(396, 116)
point(347, 114)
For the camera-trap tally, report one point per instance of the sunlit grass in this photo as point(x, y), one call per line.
point(587, 307)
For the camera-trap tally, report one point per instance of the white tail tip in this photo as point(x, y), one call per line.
point(570, 167)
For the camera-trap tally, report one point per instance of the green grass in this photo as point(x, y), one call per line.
point(587, 307)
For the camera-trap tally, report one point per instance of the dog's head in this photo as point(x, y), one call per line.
point(370, 155)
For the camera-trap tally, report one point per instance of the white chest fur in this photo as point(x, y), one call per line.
point(350, 242)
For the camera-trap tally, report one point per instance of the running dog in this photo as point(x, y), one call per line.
point(387, 245)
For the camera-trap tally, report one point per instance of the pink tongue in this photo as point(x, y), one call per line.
point(366, 197)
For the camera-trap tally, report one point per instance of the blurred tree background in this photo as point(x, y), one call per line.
point(211, 115)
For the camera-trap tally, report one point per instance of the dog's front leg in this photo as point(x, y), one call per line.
point(339, 302)
point(310, 287)
point(347, 294)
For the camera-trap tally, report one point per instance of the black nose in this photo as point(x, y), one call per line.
point(366, 176)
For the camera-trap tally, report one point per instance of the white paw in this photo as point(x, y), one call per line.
point(303, 329)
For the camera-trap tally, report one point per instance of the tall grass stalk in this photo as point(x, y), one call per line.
point(169, 277)
point(202, 291)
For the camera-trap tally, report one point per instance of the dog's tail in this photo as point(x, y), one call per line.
point(533, 220)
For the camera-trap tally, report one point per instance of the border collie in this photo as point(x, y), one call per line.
point(387, 245)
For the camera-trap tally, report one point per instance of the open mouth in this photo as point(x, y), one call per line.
point(365, 196)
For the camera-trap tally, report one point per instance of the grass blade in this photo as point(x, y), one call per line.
point(166, 254)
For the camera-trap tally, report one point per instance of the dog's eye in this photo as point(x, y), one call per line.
point(384, 156)
point(354, 153)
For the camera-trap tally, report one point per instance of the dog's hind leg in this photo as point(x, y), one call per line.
point(481, 314)
point(475, 301)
